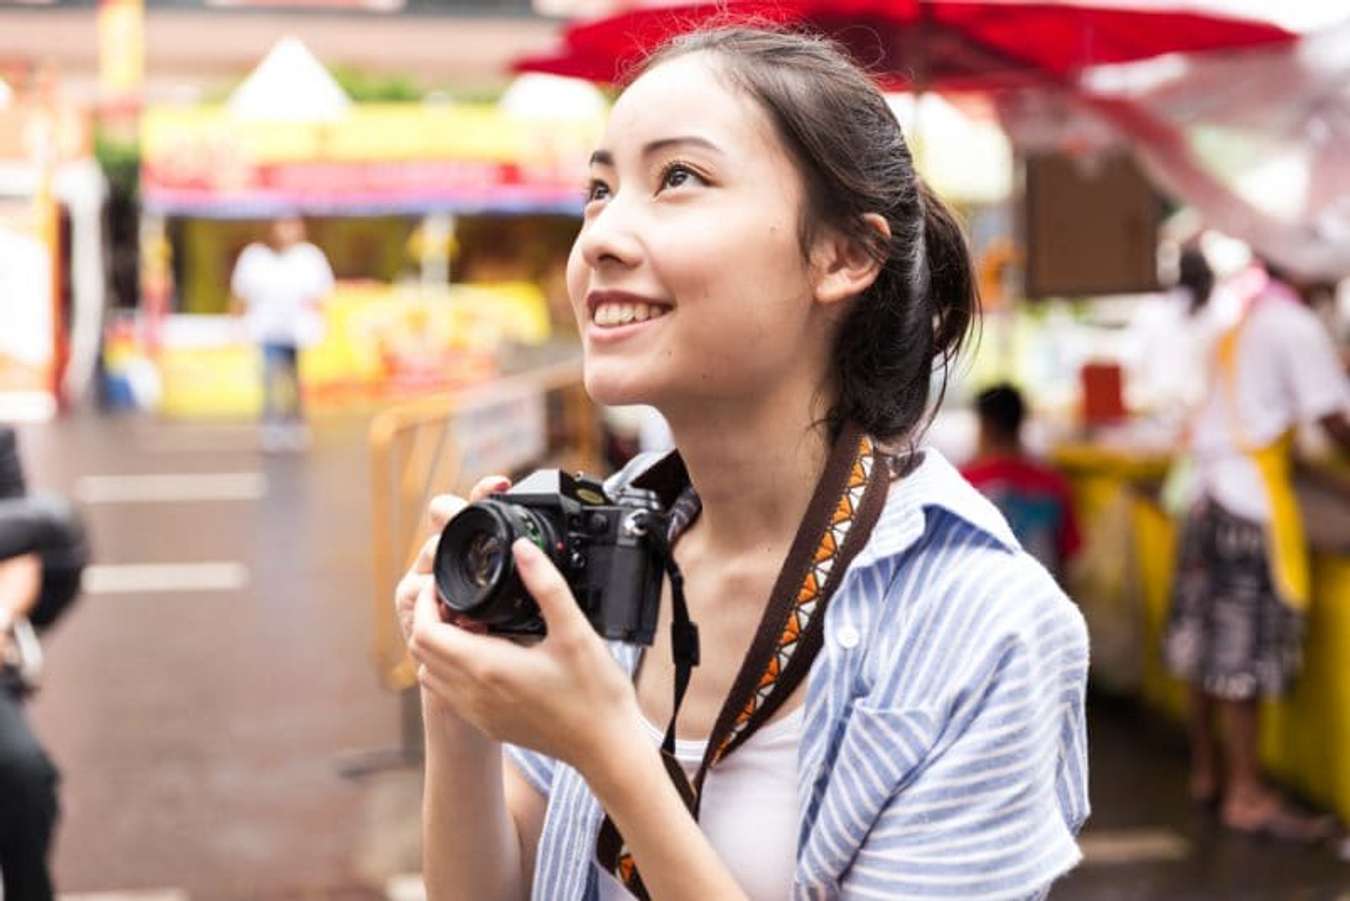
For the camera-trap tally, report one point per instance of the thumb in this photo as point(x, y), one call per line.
point(549, 589)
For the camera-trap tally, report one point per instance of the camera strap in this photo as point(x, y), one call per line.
point(838, 521)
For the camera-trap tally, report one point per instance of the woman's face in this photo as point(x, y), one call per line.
point(687, 278)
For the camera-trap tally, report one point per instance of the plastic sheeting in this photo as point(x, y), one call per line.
point(1258, 142)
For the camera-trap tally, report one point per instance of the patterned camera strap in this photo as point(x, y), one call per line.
point(838, 521)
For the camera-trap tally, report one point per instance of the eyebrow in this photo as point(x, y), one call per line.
point(605, 158)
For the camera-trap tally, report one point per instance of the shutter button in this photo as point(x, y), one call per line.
point(848, 637)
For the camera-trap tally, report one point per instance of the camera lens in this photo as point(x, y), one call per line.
point(475, 572)
point(483, 559)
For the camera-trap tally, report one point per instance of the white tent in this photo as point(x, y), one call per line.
point(289, 85)
point(534, 95)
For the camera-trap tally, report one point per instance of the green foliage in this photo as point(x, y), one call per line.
point(375, 87)
point(120, 161)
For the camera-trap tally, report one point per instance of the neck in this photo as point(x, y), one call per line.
point(755, 468)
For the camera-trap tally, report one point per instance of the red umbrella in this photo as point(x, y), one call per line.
point(952, 44)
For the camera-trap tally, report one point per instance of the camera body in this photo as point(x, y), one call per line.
point(600, 546)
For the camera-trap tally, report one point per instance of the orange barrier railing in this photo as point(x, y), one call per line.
point(443, 445)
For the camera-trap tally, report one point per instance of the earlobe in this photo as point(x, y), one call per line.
point(846, 268)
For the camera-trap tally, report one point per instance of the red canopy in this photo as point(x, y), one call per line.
point(952, 44)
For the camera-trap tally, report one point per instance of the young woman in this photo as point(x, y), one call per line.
point(759, 260)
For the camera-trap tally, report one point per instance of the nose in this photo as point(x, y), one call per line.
point(609, 238)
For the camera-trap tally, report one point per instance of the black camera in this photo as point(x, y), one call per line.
point(609, 551)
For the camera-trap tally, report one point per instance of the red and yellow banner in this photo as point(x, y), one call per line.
point(377, 157)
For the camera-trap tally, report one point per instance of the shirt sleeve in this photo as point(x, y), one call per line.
point(322, 275)
point(242, 278)
point(994, 790)
point(535, 767)
point(1313, 375)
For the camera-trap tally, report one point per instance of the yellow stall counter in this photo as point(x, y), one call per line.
point(380, 342)
point(1305, 739)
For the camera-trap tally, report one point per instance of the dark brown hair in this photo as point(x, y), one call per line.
point(854, 160)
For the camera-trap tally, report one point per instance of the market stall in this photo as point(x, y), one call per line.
point(51, 262)
point(441, 221)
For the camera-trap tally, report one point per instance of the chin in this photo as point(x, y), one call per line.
point(618, 386)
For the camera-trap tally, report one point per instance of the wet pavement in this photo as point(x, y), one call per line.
point(1146, 840)
point(200, 730)
point(201, 714)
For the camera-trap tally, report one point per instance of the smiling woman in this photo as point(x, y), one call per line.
point(889, 701)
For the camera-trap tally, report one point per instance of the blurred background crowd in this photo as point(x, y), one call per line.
point(273, 272)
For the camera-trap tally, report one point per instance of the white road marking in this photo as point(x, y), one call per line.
point(160, 488)
point(1129, 846)
point(136, 578)
point(408, 887)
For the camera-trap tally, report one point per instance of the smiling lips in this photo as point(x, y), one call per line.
point(610, 314)
point(610, 310)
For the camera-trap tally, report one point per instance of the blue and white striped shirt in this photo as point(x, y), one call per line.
point(944, 748)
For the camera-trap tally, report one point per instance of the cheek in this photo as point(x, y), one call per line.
point(747, 270)
point(578, 278)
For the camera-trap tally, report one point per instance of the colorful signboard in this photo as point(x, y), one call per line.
point(399, 157)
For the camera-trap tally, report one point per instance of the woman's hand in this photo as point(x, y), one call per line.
point(564, 696)
point(441, 510)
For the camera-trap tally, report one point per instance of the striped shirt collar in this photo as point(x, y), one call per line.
point(933, 484)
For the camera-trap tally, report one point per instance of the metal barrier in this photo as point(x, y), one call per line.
point(417, 453)
point(444, 445)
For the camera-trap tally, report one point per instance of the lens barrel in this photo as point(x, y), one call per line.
point(475, 571)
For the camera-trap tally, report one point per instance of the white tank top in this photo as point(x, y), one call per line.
point(749, 810)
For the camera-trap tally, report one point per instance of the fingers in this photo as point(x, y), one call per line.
point(489, 485)
point(426, 557)
point(443, 507)
point(549, 590)
point(405, 598)
point(426, 609)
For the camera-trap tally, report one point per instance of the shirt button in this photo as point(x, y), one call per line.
point(848, 637)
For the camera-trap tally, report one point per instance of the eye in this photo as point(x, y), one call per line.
point(677, 174)
point(596, 190)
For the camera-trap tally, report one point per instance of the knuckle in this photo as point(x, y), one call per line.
point(486, 486)
point(443, 508)
point(419, 640)
point(426, 557)
point(572, 643)
point(489, 676)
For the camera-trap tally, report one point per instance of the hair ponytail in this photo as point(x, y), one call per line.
point(950, 290)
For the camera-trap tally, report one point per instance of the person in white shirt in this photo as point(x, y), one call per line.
point(280, 287)
point(1242, 585)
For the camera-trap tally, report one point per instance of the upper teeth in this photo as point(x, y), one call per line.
point(623, 313)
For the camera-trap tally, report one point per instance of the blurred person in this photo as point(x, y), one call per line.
point(760, 262)
point(1033, 496)
point(1236, 628)
point(279, 286)
point(28, 778)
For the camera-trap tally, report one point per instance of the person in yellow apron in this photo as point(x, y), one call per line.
point(1242, 587)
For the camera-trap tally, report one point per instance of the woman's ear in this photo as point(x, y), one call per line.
point(843, 267)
